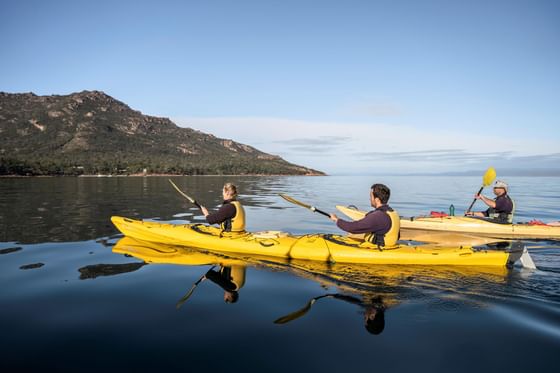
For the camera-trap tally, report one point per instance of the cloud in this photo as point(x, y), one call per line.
point(346, 147)
point(315, 141)
point(439, 155)
point(314, 145)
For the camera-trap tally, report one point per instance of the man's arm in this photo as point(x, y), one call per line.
point(489, 202)
point(370, 223)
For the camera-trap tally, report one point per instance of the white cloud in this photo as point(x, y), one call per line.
point(372, 147)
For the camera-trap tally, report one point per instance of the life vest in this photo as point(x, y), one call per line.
point(237, 223)
point(236, 274)
point(390, 238)
point(502, 217)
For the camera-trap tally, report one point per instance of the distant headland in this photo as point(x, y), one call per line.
point(90, 133)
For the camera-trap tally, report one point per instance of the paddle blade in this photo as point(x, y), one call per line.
point(186, 297)
point(489, 176)
point(296, 314)
point(191, 200)
point(295, 201)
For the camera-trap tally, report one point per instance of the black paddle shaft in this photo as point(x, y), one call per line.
point(474, 200)
point(322, 212)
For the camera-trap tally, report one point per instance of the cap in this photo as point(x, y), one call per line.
point(501, 184)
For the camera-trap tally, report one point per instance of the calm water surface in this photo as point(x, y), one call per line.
point(73, 299)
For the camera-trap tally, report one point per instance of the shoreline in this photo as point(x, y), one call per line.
point(148, 175)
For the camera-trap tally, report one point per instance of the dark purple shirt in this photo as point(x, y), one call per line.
point(376, 221)
point(503, 205)
point(227, 211)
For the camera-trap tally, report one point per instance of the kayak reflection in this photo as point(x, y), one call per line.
point(373, 288)
point(230, 277)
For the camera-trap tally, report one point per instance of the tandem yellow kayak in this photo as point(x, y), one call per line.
point(467, 225)
point(319, 247)
point(360, 275)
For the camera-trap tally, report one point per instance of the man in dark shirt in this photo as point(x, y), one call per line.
point(378, 222)
point(499, 209)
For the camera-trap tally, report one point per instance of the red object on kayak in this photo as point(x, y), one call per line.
point(536, 222)
point(438, 214)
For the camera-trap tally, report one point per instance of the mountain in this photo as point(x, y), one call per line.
point(90, 132)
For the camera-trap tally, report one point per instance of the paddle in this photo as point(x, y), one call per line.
point(191, 200)
point(304, 310)
point(299, 203)
point(301, 312)
point(188, 295)
point(487, 179)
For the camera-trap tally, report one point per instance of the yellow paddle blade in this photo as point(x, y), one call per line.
point(296, 314)
point(295, 201)
point(489, 176)
point(191, 200)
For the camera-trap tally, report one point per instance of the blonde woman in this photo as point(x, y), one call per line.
point(231, 215)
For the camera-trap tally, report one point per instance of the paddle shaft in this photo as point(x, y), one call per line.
point(191, 200)
point(474, 199)
point(304, 205)
point(314, 209)
point(188, 295)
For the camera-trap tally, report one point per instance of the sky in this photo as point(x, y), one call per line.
point(346, 87)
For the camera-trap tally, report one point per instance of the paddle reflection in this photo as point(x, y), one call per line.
point(374, 289)
point(229, 278)
point(374, 311)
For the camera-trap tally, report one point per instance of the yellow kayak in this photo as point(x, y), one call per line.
point(319, 247)
point(466, 225)
point(356, 274)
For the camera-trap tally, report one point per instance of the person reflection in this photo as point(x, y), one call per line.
point(374, 311)
point(229, 278)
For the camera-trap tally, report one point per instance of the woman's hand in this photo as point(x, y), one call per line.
point(204, 211)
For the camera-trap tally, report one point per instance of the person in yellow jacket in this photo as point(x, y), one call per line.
point(231, 215)
point(380, 226)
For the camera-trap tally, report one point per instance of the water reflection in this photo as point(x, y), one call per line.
point(10, 250)
point(37, 210)
point(96, 270)
point(374, 311)
point(32, 266)
point(374, 289)
point(229, 278)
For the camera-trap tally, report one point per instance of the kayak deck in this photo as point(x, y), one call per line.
point(467, 225)
point(318, 247)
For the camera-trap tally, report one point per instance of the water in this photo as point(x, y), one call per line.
point(70, 302)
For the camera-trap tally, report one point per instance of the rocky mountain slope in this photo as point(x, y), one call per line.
point(90, 132)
